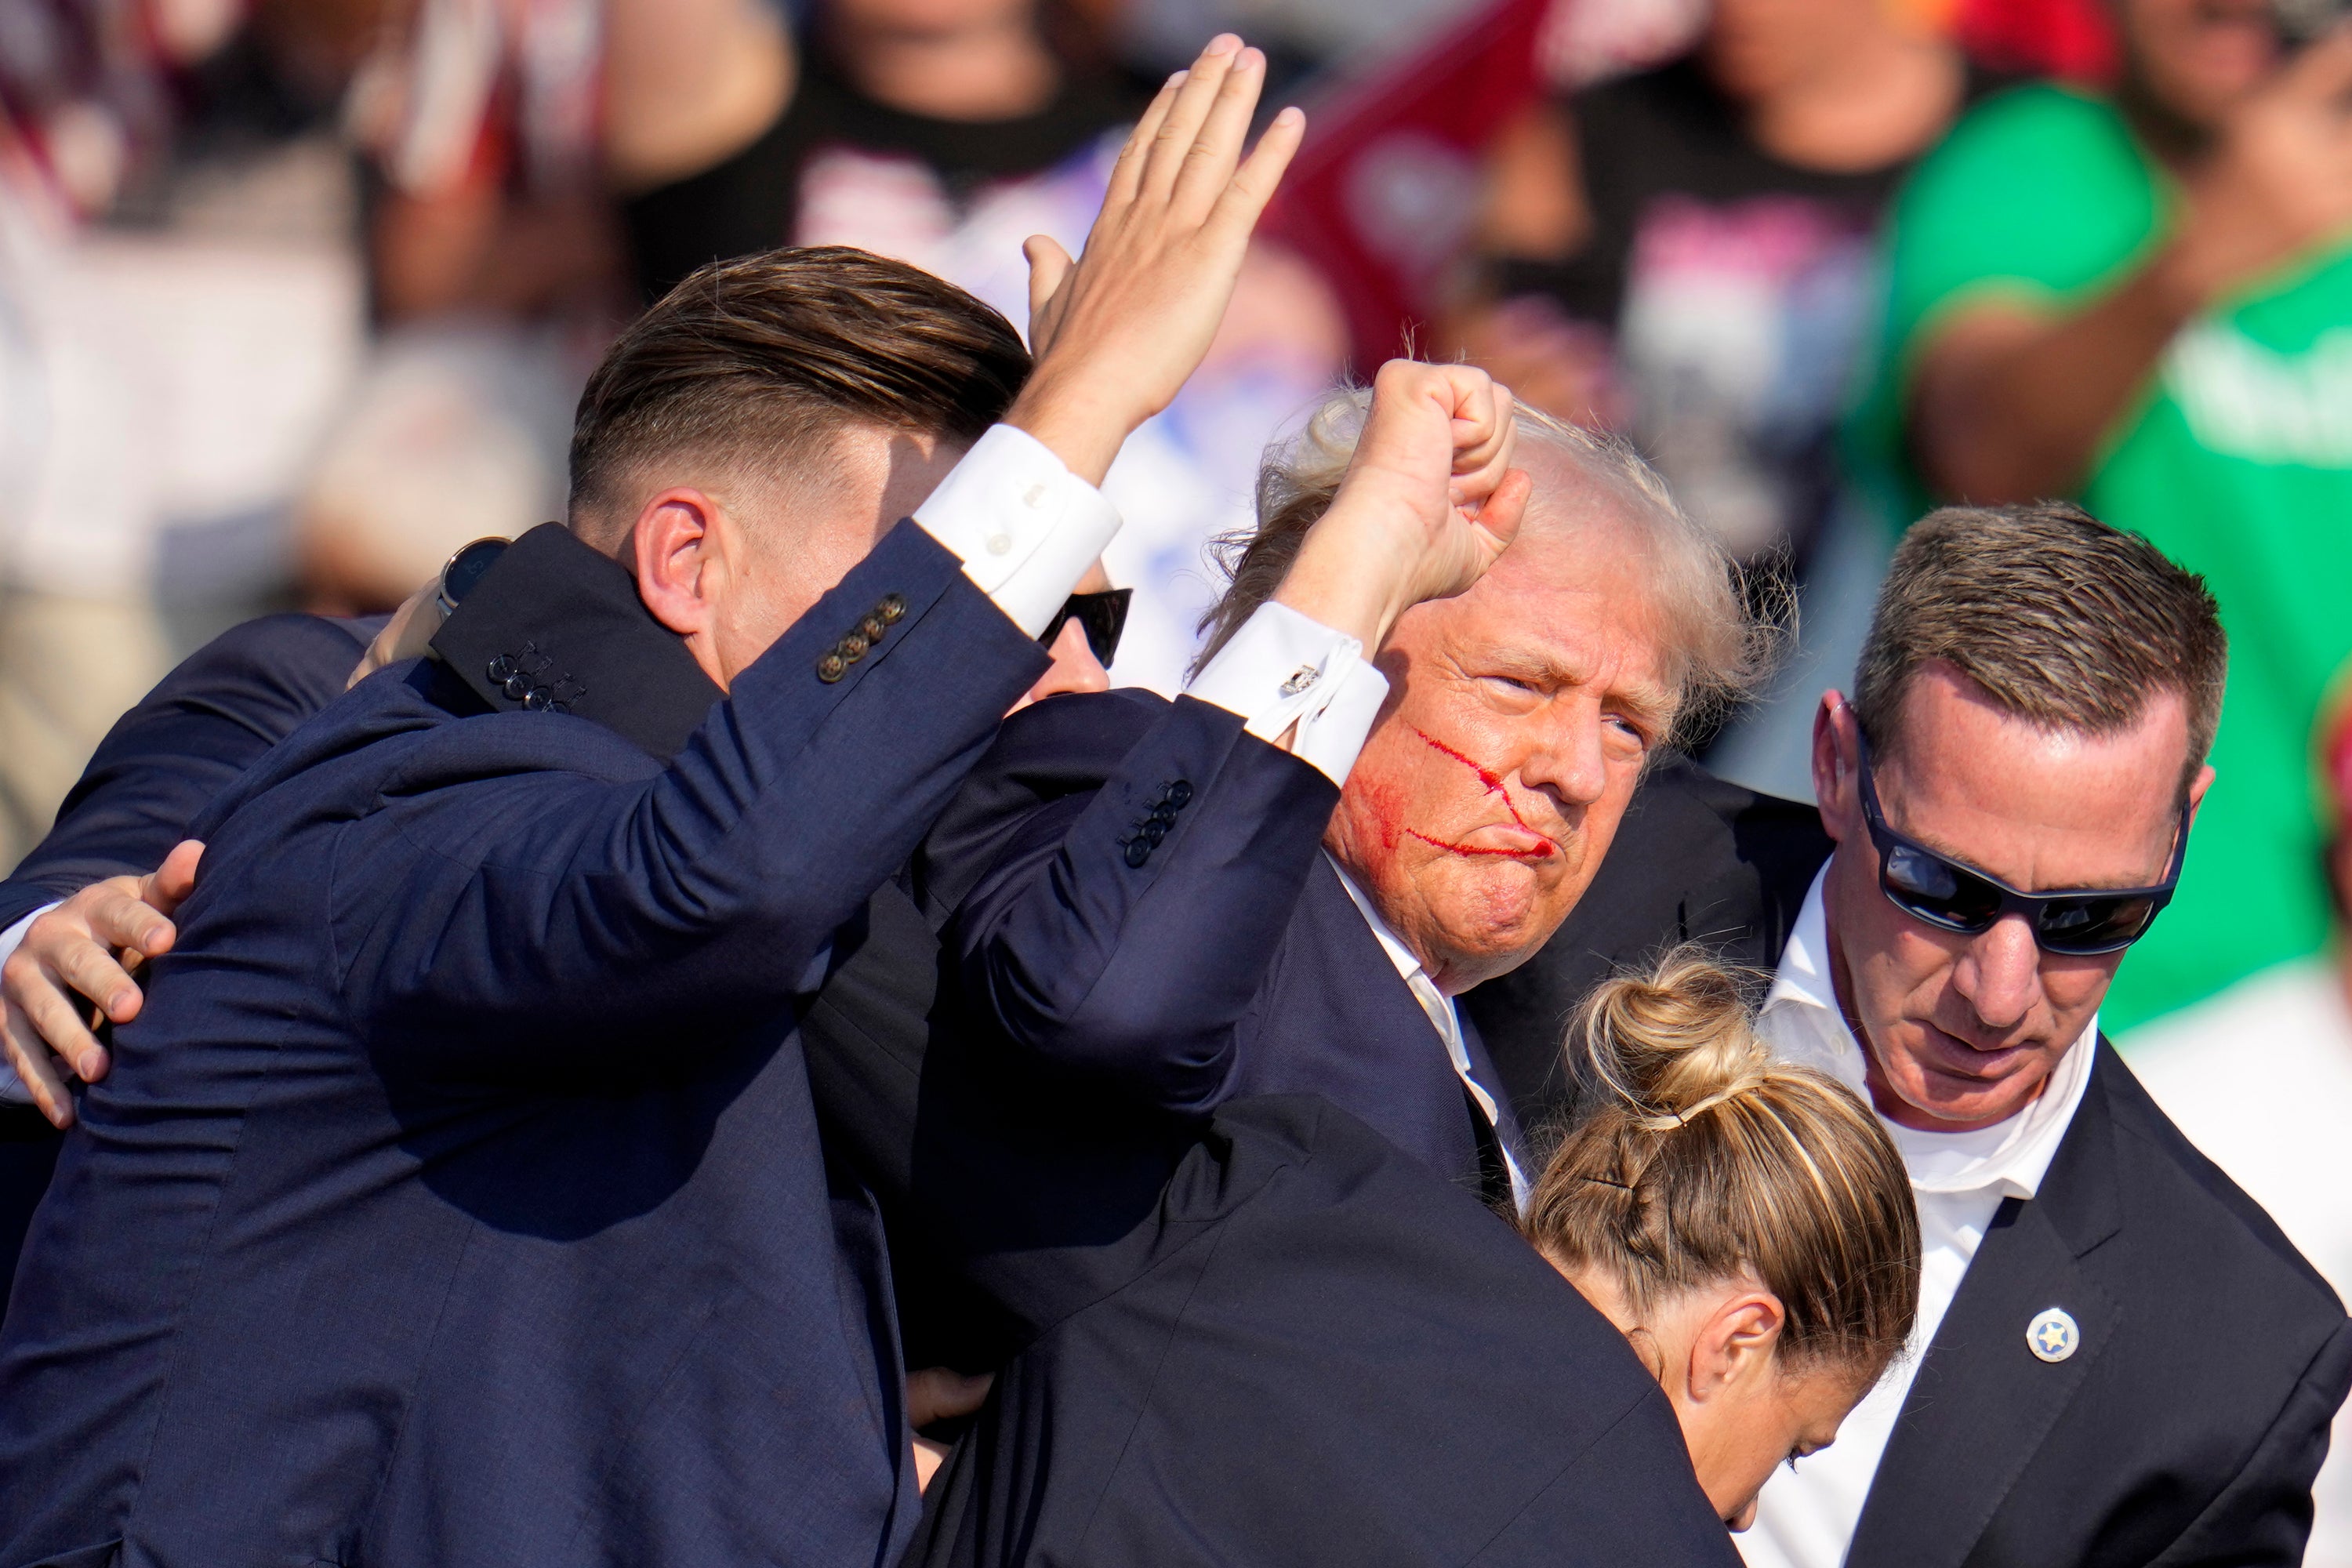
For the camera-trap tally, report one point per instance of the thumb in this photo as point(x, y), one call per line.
point(175, 878)
point(1049, 263)
point(1500, 519)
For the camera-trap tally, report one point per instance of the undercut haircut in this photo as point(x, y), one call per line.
point(1722, 639)
point(751, 364)
point(2060, 620)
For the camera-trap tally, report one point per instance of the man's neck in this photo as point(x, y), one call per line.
point(1883, 99)
point(996, 71)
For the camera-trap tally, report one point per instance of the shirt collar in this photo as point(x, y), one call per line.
point(1802, 1023)
point(1407, 966)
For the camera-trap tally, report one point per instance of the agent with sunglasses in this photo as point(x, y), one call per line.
point(2119, 1358)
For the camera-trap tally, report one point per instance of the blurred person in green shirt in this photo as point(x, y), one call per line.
point(2144, 300)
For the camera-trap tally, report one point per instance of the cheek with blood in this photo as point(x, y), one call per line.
point(1492, 782)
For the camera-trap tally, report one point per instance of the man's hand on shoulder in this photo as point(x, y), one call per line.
point(1119, 330)
point(1430, 501)
point(79, 955)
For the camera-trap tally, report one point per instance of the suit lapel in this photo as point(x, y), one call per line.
point(1983, 1403)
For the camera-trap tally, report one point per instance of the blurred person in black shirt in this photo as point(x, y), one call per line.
point(1684, 252)
point(957, 94)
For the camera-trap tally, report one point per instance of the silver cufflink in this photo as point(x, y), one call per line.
point(1304, 676)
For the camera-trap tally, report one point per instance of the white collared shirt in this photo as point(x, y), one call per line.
point(1443, 1017)
point(1807, 1514)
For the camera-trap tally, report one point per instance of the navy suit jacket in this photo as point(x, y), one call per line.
point(457, 1196)
point(1290, 1343)
point(1175, 969)
point(190, 737)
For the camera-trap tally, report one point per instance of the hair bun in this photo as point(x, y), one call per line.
point(1674, 1043)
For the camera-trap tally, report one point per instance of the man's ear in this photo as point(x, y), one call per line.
point(674, 551)
point(2197, 786)
point(1837, 758)
point(1733, 1345)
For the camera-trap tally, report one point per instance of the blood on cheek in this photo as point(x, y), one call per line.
point(1492, 782)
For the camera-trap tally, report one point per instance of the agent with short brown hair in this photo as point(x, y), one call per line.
point(2119, 1360)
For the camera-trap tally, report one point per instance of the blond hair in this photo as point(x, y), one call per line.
point(1724, 634)
point(1700, 1157)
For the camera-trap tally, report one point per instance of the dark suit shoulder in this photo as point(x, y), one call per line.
point(2166, 1172)
point(202, 725)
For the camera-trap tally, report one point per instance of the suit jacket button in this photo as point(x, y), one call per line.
point(873, 627)
point(853, 646)
point(502, 669)
point(890, 609)
point(517, 686)
point(830, 668)
point(1138, 850)
point(1180, 794)
point(537, 699)
point(1153, 831)
point(1164, 813)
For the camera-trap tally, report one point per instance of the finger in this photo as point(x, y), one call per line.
point(119, 919)
point(175, 878)
point(941, 1392)
point(35, 1067)
point(55, 1017)
point(1049, 265)
point(1495, 439)
point(1215, 152)
point(1254, 183)
point(1177, 134)
point(1127, 174)
point(1500, 519)
point(92, 971)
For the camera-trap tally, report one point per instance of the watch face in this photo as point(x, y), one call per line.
point(466, 569)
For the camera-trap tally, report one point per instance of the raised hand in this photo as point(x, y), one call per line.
point(1119, 330)
point(2279, 184)
point(78, 954)
point(1430, 500)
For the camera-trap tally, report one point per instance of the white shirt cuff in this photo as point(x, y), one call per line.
point(1284, 668)
point(12, 1087)
point(1026, 527)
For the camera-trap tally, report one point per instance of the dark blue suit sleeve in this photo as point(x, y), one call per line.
point(494, 899)
point(1134, 957)
point(203, 725)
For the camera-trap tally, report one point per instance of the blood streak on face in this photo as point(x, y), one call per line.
point(1493, 782)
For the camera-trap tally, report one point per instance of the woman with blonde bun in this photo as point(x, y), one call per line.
point(1304, 1347)
point(1746, 1222)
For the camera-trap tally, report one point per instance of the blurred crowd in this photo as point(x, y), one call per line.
point(296, 296)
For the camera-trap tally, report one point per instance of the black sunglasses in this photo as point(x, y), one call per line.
point(1104, 617)
point(1939, 890)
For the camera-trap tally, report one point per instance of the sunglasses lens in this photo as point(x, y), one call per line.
point(1937, 891)
point(2094, 925)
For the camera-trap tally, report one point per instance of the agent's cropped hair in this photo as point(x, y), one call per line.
point(1699, 1157)
point(1719, 646)
point(2063, 621)
point(747, 363)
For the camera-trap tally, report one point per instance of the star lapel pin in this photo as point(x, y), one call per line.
point(2053, 1336)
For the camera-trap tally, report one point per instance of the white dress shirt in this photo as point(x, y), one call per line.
point(1027, 529)
point(2259, 1078)
point(1445, 1018)
point(1807, 1514)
